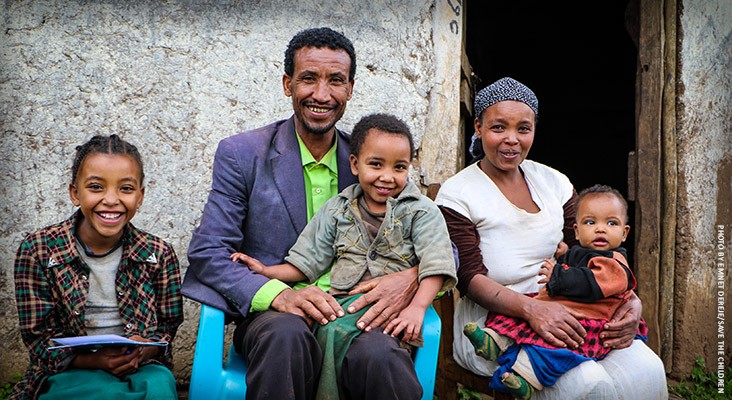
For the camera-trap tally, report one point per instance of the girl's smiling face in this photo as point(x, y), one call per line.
point(382, 167)
point(108, 190)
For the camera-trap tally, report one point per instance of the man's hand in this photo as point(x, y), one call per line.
point(311, 303)
point(620, 332)
point(390, 294)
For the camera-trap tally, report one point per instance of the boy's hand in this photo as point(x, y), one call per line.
point(409, 322)
point(546, 270)
point(238, 257)
point(251, 262)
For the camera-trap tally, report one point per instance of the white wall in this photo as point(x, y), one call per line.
point(174, 78)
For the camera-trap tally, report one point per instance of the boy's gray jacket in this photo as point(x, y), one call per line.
point(413, 232)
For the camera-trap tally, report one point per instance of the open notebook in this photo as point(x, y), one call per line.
point(97, 341)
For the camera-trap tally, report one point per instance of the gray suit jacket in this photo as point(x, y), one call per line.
point(256, 206)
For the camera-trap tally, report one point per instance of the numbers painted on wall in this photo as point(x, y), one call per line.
point(455, 6)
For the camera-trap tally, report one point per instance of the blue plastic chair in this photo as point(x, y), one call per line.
point(211, 378)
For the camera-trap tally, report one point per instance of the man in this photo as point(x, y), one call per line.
point(267, 183)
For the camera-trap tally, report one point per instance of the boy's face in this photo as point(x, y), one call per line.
point(382, 167)
point(601, 222)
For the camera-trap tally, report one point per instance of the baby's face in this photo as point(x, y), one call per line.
point(601, 222)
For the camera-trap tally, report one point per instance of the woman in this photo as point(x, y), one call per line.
point(506, 215)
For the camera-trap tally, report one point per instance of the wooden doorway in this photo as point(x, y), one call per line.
point(599, 76)
point(582, 69)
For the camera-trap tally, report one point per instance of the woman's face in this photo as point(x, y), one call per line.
point(507, 132)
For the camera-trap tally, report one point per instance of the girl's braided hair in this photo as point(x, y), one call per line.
point(111, 144)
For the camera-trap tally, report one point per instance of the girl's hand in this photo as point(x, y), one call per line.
point(145, 352)
point(118, 361)
point(546, 270)
point(409, 322)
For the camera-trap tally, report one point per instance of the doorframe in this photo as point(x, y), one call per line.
point(653, 171)
point(652, 167)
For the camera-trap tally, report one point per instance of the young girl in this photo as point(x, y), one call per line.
point(95, 273)
point(380, 225)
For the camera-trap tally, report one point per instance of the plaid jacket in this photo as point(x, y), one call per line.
point(51, 289)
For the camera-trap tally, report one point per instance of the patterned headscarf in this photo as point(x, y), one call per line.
point(502, 90)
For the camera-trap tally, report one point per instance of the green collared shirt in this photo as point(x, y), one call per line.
point(321, 183)
point(321, 177)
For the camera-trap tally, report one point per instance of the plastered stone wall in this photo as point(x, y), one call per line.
point(174, 78)
point(704, 222)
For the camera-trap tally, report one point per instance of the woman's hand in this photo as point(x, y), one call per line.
point(390, 294)
point(620, 332)
point(556, 324)
point(552, 321)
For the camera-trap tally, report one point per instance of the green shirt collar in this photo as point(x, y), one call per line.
point(329, 159)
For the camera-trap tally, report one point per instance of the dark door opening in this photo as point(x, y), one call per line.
point(581, 63)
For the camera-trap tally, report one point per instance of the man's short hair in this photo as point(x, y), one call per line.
point(319, 38)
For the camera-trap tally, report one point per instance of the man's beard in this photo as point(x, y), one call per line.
point(318, 130)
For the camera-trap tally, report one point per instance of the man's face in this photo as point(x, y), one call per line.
point(319, 88)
